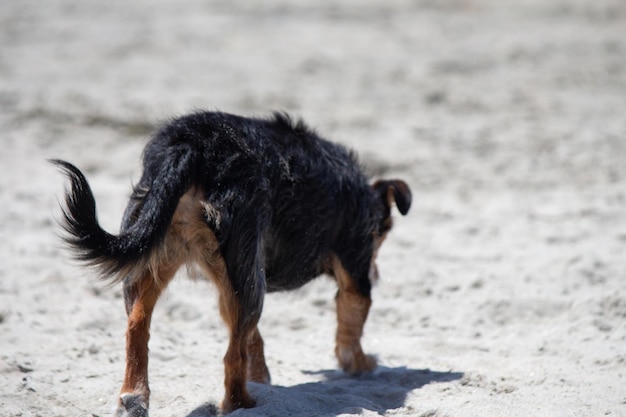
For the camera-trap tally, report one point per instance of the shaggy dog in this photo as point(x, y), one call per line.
point(259, 205)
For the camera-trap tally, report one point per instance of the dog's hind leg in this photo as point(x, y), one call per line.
point(241, 321)
point(140, 296)
point(241, 359)
point(352, 311)
point(235, 265)
point(257, 368)
point(235, 367)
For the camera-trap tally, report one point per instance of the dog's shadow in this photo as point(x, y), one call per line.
point(385, 389)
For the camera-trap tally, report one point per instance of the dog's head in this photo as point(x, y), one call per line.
point(389, 192)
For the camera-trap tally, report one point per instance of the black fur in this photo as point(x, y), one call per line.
point(285, 200)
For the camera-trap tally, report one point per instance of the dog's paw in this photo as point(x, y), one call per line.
point(231, 404)
point(259, 373)
point(132, 405)
point(354, 361)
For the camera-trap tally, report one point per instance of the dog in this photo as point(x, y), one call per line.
point(258, 205)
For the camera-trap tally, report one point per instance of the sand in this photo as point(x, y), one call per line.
point(502, 293)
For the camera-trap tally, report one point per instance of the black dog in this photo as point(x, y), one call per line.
point(259, 205)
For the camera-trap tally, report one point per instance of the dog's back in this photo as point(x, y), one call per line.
point(308, 195)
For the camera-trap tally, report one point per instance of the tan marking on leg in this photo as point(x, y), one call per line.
point(257, 368)
point(236, 359)
point(352, 311)
point(146, 292)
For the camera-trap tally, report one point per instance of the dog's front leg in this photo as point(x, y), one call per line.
point(352, 310)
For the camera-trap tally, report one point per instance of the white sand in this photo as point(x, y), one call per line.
point(503, 293)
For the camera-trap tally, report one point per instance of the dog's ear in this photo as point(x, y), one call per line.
point(394, 191)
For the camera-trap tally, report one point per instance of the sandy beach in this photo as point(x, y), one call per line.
point(502, 292)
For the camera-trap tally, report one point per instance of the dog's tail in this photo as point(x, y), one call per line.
point(131, 250)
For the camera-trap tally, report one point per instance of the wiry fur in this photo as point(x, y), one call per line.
point(260, 205)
